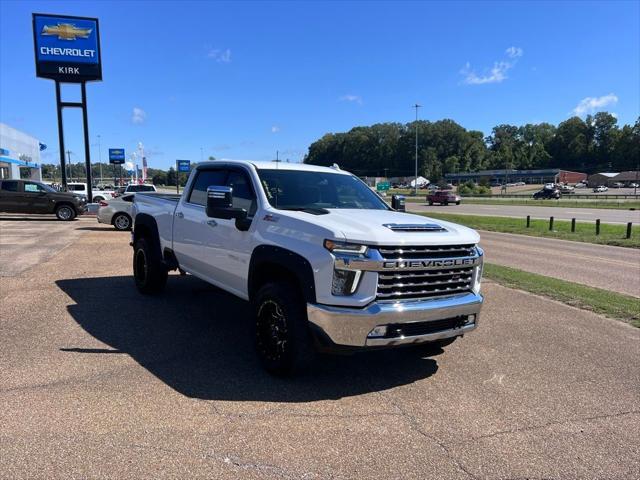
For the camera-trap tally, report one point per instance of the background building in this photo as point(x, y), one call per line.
point(608, 178)
point(544, 175)
point(19, 155)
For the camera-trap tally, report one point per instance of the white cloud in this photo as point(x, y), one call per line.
point(592, 104)
point(138, 116)
point(275, 129)
point(497, 73)
point(220, 56)
point(351, 98)
point(514, 52)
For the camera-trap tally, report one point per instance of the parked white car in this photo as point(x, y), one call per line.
point(600, 189)
point(116, 212)
point(80, 188)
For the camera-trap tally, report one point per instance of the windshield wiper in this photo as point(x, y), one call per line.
point(311, 210)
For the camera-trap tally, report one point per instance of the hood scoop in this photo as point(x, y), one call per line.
point(415, 227)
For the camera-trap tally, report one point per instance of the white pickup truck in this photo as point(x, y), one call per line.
point(326, 264)
point(80, 188)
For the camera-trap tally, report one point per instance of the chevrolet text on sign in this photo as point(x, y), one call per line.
point(67, 48)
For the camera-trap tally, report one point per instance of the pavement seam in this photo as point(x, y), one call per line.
point(549, 424)
point(413, 424)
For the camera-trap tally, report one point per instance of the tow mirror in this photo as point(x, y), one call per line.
point(220, 205)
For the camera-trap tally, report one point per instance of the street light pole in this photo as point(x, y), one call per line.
point(415, 186)
point(100, 158)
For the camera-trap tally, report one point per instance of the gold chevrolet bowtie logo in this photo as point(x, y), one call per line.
point(66, 31)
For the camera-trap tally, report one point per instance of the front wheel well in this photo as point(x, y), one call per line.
point(270, 272)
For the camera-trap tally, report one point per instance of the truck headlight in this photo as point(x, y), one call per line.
point(345, 248)
point(345, 282)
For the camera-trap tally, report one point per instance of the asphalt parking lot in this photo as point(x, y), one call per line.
point(100, 382)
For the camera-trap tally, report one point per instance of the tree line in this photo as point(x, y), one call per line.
point(590, 145)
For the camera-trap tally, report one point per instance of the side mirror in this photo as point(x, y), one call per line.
point(220, 205)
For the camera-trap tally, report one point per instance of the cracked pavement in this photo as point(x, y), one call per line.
point(99, 382)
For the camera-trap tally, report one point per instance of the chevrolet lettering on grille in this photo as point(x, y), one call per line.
point(446, 262)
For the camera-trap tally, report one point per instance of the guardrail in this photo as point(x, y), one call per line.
point(584, 196)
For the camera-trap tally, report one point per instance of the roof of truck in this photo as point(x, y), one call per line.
point(284, 166)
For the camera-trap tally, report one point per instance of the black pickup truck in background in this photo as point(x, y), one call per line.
point(26, 196)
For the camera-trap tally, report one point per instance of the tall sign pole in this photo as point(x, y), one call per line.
point(416, 106)
point(67, 50)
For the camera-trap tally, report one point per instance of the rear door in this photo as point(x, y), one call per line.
point(10, 196)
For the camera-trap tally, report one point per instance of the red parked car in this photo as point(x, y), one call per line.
point(443, 197)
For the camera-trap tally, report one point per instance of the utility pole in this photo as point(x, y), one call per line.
point(100, 158)
point(416, 106)
point(69, 163)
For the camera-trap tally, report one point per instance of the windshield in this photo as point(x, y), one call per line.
point(300, 190)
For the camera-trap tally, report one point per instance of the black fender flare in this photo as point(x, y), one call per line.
point(288, 262)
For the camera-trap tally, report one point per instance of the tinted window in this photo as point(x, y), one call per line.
point(128, 198)
point(76, 187)
point(141, 188)
point(295, 189)
point(33, 187)
point(205, 179)
point(9, 186)
point(243, 196)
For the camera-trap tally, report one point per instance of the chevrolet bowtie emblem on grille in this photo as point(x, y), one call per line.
point(66, 31)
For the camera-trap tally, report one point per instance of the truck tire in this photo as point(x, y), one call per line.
point(65, 212)
point(149, 272)
point(430, 202)
point(282, 338)
point(98, 198)
point(122, 222)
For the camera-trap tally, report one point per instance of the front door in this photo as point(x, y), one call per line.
point(36, 198)
point(193, 231)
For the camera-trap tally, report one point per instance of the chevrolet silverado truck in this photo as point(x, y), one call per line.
point(325, 263)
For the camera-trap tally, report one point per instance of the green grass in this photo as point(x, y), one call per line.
point(612, 304)
point(585, 231)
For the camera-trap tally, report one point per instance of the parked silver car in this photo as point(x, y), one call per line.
point(116, 212)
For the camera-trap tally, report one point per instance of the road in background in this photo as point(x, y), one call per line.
point(559, 213)
point(611, 268)
point(99, 381)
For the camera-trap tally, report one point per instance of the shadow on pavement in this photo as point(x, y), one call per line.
point(52, 218)
point(197, 339)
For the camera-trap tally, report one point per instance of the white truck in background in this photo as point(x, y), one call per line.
point(325, 263)
point(80, 188)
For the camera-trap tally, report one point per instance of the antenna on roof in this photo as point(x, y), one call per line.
point(335, 166)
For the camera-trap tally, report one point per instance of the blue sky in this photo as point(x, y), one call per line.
point(242, 80)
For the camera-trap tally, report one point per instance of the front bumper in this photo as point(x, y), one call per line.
point(350, 327)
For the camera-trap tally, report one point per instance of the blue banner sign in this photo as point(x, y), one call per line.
point(67, 48)
point(116, 156)
point(183, 166)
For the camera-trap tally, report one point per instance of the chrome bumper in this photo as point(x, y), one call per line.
point(351, 326)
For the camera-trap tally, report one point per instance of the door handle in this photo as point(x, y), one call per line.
point(212, 223)
point(179, 214)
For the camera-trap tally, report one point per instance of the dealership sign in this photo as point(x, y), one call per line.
point(184, 166)
point(67, 48)
point(116, 156)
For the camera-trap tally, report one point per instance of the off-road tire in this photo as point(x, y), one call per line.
point(65, 212)
point(283, 341)
point(149, 273)
point(122, 222)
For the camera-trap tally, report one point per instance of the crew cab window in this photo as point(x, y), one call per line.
point(243, 196)
point(76, 187)
point(33, 188)
point(204, 180)
point(9, 186)
point(141, 188)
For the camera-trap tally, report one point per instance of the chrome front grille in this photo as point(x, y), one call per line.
point(417, 284)
point(410, 252)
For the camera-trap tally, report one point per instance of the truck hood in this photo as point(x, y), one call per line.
point(368, 227)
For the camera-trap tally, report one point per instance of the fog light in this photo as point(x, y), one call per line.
point(379, 331)
point(345, 282)
point(471, 319)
